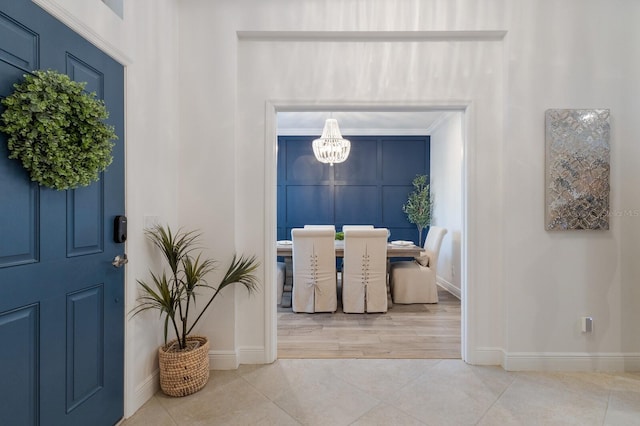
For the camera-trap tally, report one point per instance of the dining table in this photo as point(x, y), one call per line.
point(397, 248)
point(284, 248)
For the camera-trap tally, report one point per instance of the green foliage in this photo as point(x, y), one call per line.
point(418, 207)
point(56, 130)
point(340, 236)
point(173, 296)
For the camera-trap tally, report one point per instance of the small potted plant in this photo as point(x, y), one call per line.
point(418, 207)
point(184, 361)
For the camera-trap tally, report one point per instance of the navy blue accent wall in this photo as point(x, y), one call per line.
point(369, 188)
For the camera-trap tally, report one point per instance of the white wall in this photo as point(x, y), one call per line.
point(208, 170)
point(522, 312)
point(446, 190)
point(571, 54)
point(152, 172)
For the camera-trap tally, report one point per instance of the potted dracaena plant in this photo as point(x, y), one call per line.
point(184, 361)
point(418, 206)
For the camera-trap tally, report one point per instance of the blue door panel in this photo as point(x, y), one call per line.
point(19, 391)
point(19, 213)
point(85, 345)
point(57, 246)
point(18, 207)
point(19, 53)
point(85, 220)
point(80, 71)
point(9, 74)
point(21, 44)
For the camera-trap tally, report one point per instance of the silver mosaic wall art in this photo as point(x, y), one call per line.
point(577, 169)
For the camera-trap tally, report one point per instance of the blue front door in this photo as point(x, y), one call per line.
point(61, 300)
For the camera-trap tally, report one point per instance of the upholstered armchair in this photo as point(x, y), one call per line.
point(415, 281)
point(314, 271)
point(364, 273)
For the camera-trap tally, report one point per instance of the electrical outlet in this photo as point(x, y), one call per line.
point(587, 324)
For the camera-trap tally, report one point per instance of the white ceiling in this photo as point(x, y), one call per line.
point(361, 123)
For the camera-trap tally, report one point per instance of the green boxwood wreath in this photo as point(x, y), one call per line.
point(56, 130)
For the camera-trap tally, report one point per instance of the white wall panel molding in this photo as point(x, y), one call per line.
point(485, 356)
point(571, 361)
point(449, 287)
point(252, 355)
point(223, 360)
point(145, 390)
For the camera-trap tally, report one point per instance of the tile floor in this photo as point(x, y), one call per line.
point(398, 392)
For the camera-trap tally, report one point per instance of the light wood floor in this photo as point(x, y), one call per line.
point(405, 331)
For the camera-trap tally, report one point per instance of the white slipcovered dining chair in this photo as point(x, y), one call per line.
point(415, 281)
point(314, 271)
point(364, 274)
point(350, 227)
point(333, 227)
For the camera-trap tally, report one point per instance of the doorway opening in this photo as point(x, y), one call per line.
point(344, 335)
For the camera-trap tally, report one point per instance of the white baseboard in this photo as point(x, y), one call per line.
point(486, 356)
point(223, 360)
point(230, 360)
point(144, 392)
point(571, 361)
point(449, 287)
point(252, 355)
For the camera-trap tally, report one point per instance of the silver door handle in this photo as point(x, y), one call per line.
point(119, 261)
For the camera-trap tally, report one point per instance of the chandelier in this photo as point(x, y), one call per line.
point(331, 147)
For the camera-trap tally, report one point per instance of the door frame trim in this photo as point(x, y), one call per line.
point(272, 107)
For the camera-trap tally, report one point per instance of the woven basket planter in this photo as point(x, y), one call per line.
point(184, 372)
